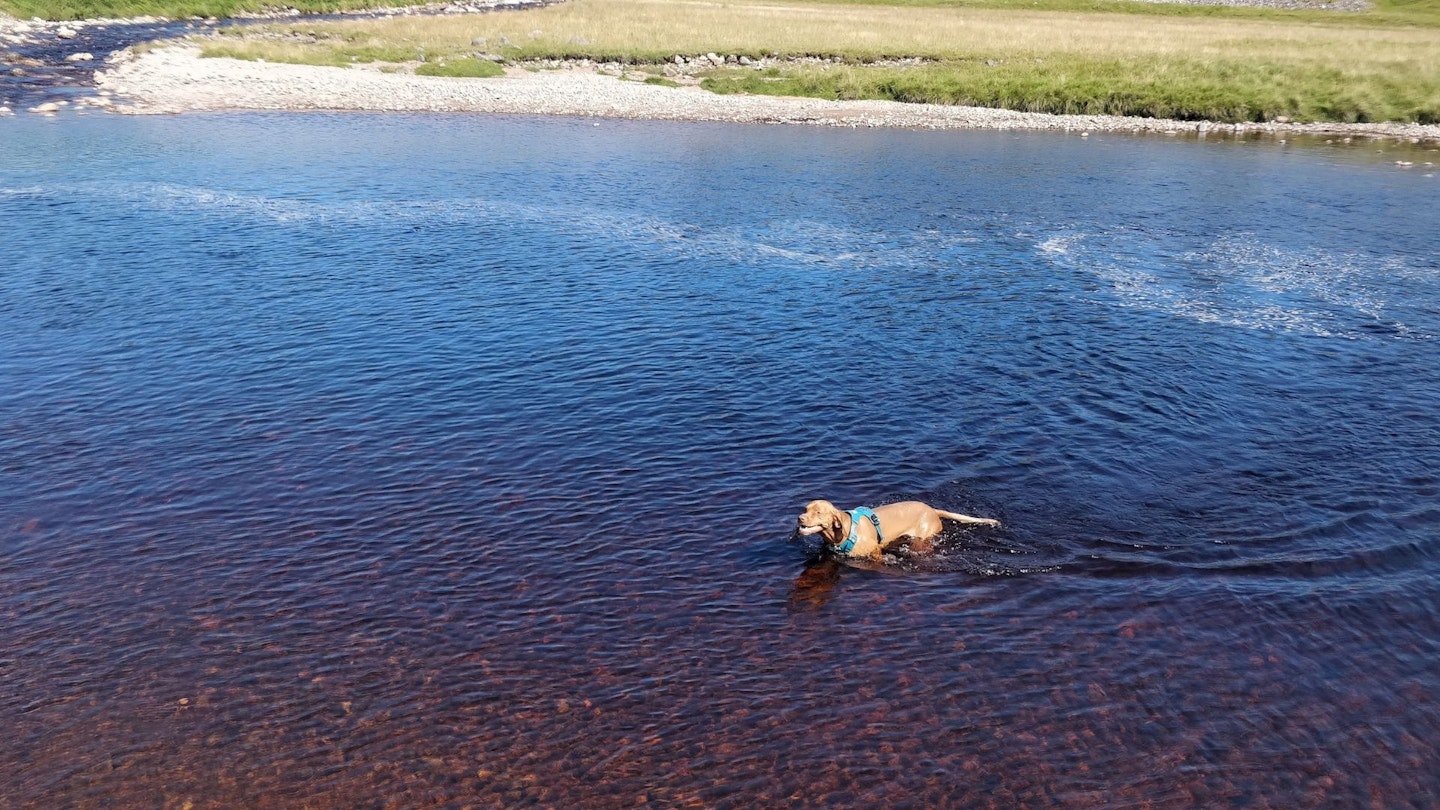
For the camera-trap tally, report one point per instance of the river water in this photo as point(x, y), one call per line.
point(43, 68)
point(409, 461)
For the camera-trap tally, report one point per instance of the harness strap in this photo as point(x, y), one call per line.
point(855, 516)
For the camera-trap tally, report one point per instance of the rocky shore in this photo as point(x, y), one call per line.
point(174, 80)
point(47, 65)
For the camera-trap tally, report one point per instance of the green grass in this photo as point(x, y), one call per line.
point(461, 68)
point(325, 54)
point(1183, 89)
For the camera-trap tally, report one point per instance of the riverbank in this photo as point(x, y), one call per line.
point(47, 65)
point(178, 80)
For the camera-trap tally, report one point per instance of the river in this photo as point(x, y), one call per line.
point(406, 460)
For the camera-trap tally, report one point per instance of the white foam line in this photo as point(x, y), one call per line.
point(787, 240)
point(1249, 272)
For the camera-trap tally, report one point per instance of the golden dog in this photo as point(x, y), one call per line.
point(869, 532)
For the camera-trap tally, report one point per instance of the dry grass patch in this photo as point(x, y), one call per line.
point(654, 29)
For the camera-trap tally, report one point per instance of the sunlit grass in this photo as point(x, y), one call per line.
point(655, 29)
point(1226, 65)
point(324, 54)
point(1230, 92)
point(466, 68)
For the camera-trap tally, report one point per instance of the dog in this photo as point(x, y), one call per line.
point(869, 533)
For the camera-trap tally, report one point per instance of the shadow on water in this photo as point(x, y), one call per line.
point(823, 571)
point(817, 581)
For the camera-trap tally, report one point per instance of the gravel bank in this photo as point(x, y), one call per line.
point(174, 80)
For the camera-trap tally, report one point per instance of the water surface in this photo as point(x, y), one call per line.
point(401, 461)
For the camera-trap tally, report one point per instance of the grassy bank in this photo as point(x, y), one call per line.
point(1190, 62)
point(1228, 89)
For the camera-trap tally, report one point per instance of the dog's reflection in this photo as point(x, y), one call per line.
point(816, 584)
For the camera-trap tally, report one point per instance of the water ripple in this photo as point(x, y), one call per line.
point(1238, 280)
point(470, 478)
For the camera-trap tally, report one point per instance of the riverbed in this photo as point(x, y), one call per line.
point(453, 460)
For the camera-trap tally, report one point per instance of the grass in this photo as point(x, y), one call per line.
point(466, 68)
point(323, 54)
point(1217, 90)
point(1196, 62)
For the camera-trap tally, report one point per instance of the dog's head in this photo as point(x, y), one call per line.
point(820, 517)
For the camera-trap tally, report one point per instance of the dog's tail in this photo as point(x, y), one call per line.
point(956, 516)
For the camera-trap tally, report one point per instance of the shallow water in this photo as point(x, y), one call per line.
point(37, 70)
point(400, 461)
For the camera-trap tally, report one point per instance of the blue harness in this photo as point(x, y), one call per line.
point(855, 516)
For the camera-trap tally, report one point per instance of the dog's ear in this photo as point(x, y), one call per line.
point(837, 526)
